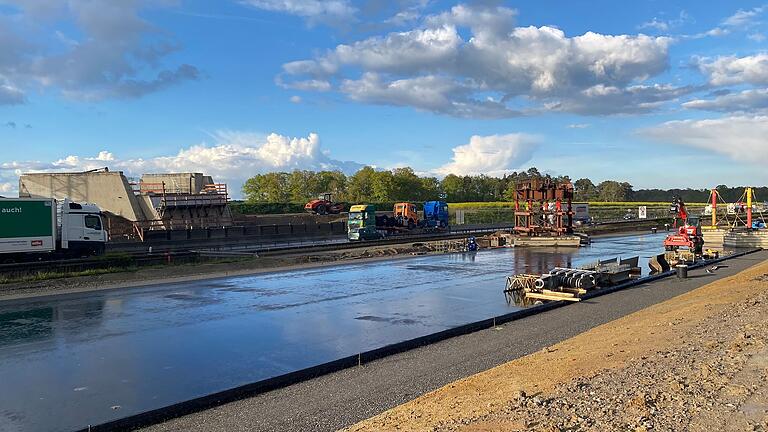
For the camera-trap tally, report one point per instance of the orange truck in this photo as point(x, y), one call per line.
point(405, 215)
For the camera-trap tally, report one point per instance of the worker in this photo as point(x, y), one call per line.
point(472, 245)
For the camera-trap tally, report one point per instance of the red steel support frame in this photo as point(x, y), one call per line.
point(538, 218)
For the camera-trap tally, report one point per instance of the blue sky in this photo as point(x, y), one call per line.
point(659, 93)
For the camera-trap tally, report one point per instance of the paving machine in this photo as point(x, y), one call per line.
point(688, 234)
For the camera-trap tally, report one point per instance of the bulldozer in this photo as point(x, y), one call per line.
point(324, 204)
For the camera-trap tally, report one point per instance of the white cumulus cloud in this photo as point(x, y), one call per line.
point(746, 100)
point(742, 138)
point(492, 155)
point(525, 69)
point(234, 157)
point(730, 70)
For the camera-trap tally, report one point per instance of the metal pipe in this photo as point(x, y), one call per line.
point(714, 208)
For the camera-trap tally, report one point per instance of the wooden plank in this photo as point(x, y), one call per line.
point(578, 291)
point(557, 293)
point(547, 297)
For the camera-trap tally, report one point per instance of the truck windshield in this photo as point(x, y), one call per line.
point(93, 222)
point(356, 220)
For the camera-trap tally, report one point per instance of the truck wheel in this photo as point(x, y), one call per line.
point(411, 224)
point(321, 210)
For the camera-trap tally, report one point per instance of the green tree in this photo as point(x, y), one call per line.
point(334, 182)
point(585, 190)
point(430, 189)
point(360, 185)
point(382, 186)
point(613, 191)
point(453, 186)
point(269, 187)
point(406, 185)
point(301, 185)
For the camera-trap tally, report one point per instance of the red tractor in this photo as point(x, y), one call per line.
point(324, 205)
point(687, 235)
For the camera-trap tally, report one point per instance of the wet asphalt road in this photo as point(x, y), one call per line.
point(74, 360)
point(344, 398)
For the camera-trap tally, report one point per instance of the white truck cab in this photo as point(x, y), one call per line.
point(81, 228)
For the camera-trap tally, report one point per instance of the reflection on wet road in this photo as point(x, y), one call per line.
point(85, 359)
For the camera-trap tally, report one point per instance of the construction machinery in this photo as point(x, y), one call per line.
point(324, 204)
point(688, 234)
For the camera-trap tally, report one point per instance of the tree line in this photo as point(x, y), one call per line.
point(403, 184)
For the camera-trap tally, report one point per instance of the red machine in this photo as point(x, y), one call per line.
point(687, 236)
point(324, 205)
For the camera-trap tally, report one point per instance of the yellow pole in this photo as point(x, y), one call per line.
point(749, 208)
point(714, 208)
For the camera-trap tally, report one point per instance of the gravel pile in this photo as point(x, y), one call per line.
point(715, 380)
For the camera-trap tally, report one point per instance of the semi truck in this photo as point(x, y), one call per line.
point(364, 224)
point(436, 214)
point(33, 229)
point(581, 213)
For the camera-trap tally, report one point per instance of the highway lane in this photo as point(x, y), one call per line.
point(74, 360)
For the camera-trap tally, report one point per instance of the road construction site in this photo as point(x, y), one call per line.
point(433, 376)
point(194, 338)
point(239, 317)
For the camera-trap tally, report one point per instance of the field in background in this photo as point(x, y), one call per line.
point(496, 212)
point(489, 212)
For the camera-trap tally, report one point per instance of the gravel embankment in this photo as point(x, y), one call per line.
point(715, 379)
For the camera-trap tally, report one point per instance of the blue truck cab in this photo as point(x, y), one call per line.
point(436, 214)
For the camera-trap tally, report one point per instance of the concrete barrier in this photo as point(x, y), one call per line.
point(252, 230)
point(156, 235)
point(217, 233)
point(268, 229)
point(338, 227)
point(235, 232)
point(178, 235)
point(198, 234)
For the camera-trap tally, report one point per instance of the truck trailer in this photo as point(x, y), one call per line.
point(34, 229)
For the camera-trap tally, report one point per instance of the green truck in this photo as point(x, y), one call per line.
point(32, 228)
point(361, 223)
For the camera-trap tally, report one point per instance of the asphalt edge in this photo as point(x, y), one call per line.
point(192, 406)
